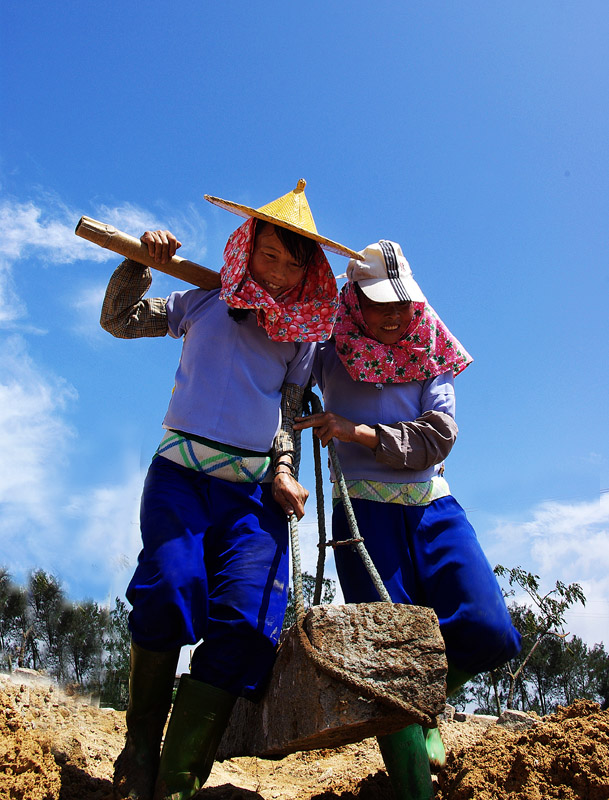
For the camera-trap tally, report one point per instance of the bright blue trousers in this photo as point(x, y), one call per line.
point(430, 556)
point(214, 566)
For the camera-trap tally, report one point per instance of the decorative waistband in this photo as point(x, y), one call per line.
point(209, 457)
point(407, 494)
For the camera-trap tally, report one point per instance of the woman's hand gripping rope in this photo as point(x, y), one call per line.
point(290, 495)
point(328, 426)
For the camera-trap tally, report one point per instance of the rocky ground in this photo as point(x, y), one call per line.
point(54, 746)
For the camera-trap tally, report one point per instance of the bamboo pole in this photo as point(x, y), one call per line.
point(110, 238)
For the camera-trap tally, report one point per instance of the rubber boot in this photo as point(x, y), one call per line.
point(151, 679)
point(407, 764)
point(198, 720)
point(455, 678)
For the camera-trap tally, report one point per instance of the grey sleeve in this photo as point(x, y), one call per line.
point(417, 445)
point(287, 440)
point(125, 313)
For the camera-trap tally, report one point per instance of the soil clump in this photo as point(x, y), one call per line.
point(56, 746)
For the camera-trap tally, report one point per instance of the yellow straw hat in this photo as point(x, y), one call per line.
point(290, 211)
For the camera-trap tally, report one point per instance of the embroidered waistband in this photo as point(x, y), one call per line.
point(222, 461)
point(407, 494)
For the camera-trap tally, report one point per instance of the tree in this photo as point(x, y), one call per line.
point(583, 672)
point(117, 643)
point(82, 631)
point(13, 604)
point(548, 621)
point(47, 602)
point(308, 592)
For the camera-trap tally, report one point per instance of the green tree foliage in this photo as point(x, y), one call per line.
point(80, 643)
point(13, 603)
point(46, 603)
point(308, 592)
point(115, 684)
point(83, 627)
point(551, 669)
point(548, 620)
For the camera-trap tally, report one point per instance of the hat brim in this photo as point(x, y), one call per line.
point(381, 290)
point(246, 211)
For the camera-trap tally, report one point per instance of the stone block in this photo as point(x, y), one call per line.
point(516, 720)
point(392, 657)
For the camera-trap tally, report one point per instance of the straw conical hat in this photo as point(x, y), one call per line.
point(290, 211)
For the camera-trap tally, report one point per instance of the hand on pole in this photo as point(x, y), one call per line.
point(162, 245)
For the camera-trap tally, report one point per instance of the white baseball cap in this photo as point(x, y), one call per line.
point(384, 275)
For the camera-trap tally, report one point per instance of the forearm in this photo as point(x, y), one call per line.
point(125, 313)
point(417, 445)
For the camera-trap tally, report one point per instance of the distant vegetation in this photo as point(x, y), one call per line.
point(552, 668)
point(81, 643)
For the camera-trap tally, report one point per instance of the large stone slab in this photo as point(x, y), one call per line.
point(370, 669)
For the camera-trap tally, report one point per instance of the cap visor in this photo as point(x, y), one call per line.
point(381, 290)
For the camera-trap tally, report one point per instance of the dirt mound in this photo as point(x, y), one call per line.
point(565, 756)
point(54, 746)
point(27, 766)
point(57, 747)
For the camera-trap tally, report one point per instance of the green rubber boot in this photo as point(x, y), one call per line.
point(151, 679)
point(407, 763)
point(198, 720)
point(455, 678)
point(435, 747)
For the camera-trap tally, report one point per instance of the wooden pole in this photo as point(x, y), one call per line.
point(110, 238)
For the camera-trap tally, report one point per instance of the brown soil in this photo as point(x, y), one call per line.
point(56, 747)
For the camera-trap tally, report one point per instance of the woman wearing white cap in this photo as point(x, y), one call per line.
point(218, 492)
point(387, 382)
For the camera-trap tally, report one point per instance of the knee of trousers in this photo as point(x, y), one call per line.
point(167, 614)
point(481, 642)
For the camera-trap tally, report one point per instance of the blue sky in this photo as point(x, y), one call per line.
point(475, 134)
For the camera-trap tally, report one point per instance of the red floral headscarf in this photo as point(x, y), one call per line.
point(426, 350)
point(306, 313)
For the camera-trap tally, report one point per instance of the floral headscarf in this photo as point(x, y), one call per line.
point(426, 350)
point(306, 313)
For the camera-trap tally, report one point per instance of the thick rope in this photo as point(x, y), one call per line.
point(321, 522)
point(367, 688)
point(357, 539)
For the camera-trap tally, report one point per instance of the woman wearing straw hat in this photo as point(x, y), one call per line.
point(216, 498)
point(387, 381)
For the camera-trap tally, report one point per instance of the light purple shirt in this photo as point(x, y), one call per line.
point(374, 403)
point(228, 383)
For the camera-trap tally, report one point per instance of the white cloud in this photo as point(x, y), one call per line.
point(46, 232)
point(34, 433)
point(86, 305)
point(88, 540)
point(11, 306)
point(567, 542)
point(108, 540)
point(47, 229)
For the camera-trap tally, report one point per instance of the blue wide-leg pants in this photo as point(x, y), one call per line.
point(214, 566)
point(430, 556)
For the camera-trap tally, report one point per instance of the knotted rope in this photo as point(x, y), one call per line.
point(312, 404)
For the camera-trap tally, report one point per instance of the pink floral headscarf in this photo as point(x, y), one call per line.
point(426, 350)
point(306, 313)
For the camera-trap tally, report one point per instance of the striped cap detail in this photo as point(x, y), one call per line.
point(393, 270)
